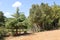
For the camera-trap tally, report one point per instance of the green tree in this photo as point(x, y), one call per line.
point(56, 15)
point(16, 22)
point(2, 19)
point(42, 16)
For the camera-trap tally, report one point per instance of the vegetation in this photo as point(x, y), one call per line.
point(41, 17)
point(17, 22)
point(45, 17)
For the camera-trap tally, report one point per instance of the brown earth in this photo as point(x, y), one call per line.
point(47, 35)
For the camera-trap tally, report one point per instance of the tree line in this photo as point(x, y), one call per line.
point(45, 17)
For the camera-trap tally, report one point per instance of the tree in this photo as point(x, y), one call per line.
point(2, 19)
point(56, 11)
point(38, 14)
point(1, 32)
point(16, 22)
point(43, 16)
point(47, 20)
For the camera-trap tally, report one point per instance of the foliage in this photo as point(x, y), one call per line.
point(41, 17)
point(44, 17)
point(18, 22)
point(2, 21)
point(3, 33)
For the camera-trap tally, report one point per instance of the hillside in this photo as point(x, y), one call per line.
point(47, 35)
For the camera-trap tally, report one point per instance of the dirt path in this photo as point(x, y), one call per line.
point(48, 35)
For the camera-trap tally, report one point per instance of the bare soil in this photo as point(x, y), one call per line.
point(47, 35)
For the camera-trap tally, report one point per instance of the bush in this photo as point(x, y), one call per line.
point(1, 37)
point(3, 32)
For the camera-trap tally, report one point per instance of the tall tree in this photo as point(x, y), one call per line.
point(42, 16)
point(16, 22)
point(56, 15)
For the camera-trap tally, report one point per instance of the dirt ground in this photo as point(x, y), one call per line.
point(47, 35)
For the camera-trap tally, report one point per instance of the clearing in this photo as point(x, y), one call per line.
point(47, 35)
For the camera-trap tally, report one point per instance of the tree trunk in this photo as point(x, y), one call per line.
point(16, 31)
point(41, 26)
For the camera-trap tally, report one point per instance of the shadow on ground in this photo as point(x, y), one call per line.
point(24, 34)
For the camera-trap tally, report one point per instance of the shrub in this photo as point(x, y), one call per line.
point(1, 37)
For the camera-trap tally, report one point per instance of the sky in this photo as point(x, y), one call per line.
point(9, 6)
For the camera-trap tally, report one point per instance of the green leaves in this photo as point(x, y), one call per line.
point(2, 19)
point(44, 13)
point(18, 22)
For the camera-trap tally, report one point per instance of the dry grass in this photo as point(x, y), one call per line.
point(47, 35)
